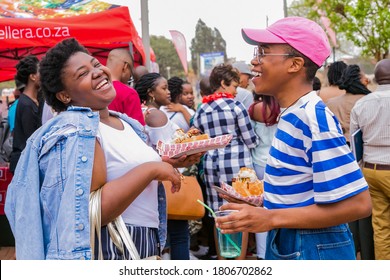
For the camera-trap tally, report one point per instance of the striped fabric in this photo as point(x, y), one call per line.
point(309, 160)
point(225, 116)
point(145, 240)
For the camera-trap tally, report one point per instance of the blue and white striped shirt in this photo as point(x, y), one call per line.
point(309, 160)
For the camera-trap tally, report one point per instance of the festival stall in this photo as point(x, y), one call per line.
point(32, 27)
point(27, 29)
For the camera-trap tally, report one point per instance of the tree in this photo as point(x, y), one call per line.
point(166, 57)
point(299, 8)
point(206, 40)
point(365, 23)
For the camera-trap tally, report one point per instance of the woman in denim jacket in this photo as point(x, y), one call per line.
point(74, 154)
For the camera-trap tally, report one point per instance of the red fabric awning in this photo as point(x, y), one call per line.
point(99, 32)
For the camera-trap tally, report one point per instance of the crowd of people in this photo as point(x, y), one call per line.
point(292, 131)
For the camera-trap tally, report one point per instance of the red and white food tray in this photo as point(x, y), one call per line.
point(255, 200)
point(189, 148)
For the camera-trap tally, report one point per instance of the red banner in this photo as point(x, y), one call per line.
point(179, 42)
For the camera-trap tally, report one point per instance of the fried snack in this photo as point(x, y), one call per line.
point(196, 138)
point(179, 136)
point(193, 134)
point(247, 184)
point(256, 188)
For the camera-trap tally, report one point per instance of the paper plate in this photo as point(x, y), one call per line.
point(189, 148)
point(229, 191)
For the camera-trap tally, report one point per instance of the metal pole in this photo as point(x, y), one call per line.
point(145, 32)
point(168, 72)
point(285, 8)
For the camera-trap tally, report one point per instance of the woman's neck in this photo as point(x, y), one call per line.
point(153, 105)
point(109, 120)
point(104, 114)
point(32, 93)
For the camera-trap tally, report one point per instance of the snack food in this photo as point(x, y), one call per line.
point(247, 184)
point(192, 134)
point(176, 150)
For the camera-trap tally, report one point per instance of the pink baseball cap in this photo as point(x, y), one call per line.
point(304, 35)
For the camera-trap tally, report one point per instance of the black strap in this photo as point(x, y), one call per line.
point(172, 116)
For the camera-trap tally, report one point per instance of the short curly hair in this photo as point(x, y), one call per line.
point(223, 72)
point(51, 70)
point(26, 67)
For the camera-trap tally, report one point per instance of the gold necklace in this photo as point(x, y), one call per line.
point(281, 113)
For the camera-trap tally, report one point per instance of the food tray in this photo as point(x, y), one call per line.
point(229, 191)
point(189, 148)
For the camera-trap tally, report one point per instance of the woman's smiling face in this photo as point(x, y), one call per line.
point(87, 82)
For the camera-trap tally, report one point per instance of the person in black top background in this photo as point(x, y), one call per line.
point(28, 110)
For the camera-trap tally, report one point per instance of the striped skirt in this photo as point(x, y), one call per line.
point(145, 240)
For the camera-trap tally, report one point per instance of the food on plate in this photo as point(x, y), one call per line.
point(192, 134)
point(246, 183)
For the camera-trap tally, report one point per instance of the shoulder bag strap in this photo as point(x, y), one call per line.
point(118, 231)
point(95, 221)
point(126, 238)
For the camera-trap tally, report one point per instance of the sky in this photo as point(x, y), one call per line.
point(228, 16)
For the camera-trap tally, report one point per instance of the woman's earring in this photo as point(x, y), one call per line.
point(152, 99)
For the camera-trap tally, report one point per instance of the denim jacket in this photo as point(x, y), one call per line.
point(47, 200)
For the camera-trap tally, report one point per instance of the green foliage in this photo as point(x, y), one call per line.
point(206, 40)
point(365, 23)
point(7, 84)
point(166, 56)
point(299, 8)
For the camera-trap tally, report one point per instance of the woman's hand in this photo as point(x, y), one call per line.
point(175, 107)
point(183, 161)
point(166, 172)
point(119, 193)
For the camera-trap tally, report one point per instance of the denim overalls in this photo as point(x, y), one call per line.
point(332, 243)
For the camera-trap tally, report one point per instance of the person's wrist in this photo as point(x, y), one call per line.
point(273, 218)
point(155, 168)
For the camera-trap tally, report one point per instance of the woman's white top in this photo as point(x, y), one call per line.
point(163, 133)
point(124, 150)
point(178, 117)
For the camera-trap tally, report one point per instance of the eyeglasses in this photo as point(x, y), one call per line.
point(130, 82)
point(259, 54)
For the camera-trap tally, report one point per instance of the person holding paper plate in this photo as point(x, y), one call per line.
point(312, 185)
point(220, 114)
point(83, 149)
point(154, 93)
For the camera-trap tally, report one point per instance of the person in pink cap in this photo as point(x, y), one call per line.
point(312, 186)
